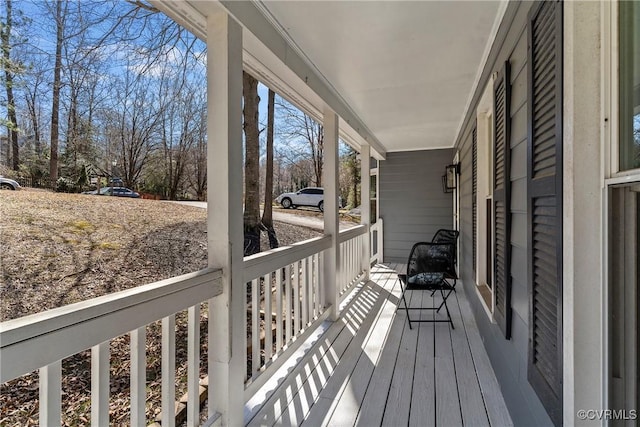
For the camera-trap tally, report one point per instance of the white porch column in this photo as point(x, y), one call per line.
point(365, 206)
point(224, 216)
point(331, 223)
point(584, 339)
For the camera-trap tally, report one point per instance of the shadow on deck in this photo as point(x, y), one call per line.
point(369, 369)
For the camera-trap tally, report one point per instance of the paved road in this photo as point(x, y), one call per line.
point(288, 217)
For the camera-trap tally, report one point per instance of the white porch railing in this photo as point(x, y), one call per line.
point(41, 341)
point(351, 256)
point(287, 300)
point(285, 303)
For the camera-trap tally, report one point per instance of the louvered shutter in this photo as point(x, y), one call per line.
point(544, 187)
point(474, 194)
point(501, 201)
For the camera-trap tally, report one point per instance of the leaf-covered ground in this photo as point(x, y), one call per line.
point(58, 249)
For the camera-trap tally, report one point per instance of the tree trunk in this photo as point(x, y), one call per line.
point(55, 103)
point(267, 213)
point(11, 104)
point(251, 166)
point(35, 123)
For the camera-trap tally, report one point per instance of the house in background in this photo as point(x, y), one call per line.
point(538, 105)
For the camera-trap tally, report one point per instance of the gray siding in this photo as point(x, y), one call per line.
point(412, 203)
point(508, 357)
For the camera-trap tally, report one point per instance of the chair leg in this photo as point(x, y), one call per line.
point(444, 299)
point(406, 307)
point(446, 307)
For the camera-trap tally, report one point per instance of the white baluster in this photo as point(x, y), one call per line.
point(296, 298)
point(193, 366)
point(311, 293)
point(288, 306)
point(316, 276)
point(100, 384)
point(168, 371)
point(255, 327)
point(304, 286)
point(50, 394)
point(278, 310)
point(245, 335)
point(268, 320)
point(138, 373)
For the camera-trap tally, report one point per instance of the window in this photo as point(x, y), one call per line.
point(373, 197)
point(629, 54)
point(624, 222)
point(483, 196)
point(624, 278)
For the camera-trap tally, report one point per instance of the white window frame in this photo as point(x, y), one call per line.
point(485, 143)
point(611, 99)
point(613, 176)
point(374, 172)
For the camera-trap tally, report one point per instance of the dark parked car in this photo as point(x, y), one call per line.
point(121, 192)
point(114, 191)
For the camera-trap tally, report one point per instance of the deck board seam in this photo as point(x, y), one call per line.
point(336, 399)
point(473, 360)
point(385, 286)
point(347, 345)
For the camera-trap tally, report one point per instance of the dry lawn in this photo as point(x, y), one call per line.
point(59, 249)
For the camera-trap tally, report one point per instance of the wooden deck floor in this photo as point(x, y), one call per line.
point(370, 369)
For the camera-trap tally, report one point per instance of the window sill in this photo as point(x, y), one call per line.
point(485, 296)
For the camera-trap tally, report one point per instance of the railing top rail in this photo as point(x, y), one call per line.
point(268, 261)
point(352, 232)
point(54, 334)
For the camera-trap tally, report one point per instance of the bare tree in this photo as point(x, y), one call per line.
point(82, 71)
point(351, 176)
point(136, 129)
point(33, 110)
point(179, 135)
point(9, 69)
point(60, 16)
point(98, 80)
point(267, 213)
point(198, 176)
point(251, 165)
point(305, 138)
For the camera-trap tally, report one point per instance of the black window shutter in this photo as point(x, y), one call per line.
point(474, 194)
point(501, 201)
point(544, 209)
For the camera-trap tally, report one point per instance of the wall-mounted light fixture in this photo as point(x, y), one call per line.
point(449, 178)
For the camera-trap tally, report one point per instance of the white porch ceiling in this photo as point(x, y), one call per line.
point(400, 73)
point(405, 68)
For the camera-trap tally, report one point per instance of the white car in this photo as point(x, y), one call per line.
point(310, 196)
point(8, 184)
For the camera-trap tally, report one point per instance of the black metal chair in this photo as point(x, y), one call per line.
point(428, 268)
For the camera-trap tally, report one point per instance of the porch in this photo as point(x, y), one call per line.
point(313, 318)
point(369, 368)
point(365, 368)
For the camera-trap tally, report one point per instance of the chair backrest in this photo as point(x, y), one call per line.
point(429, 257)
point(445, 236)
